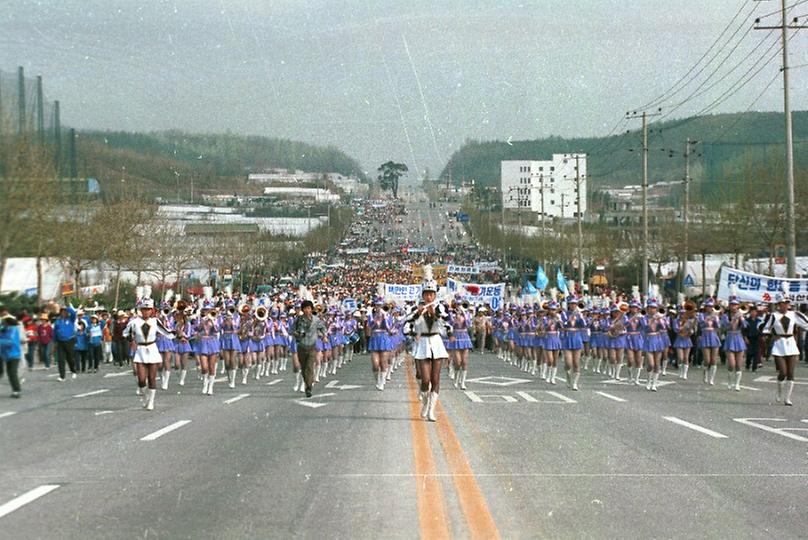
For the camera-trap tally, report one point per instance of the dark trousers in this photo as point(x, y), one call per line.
point(82, 358)
point(120, 352)
point(96, 354)
point(30, 354)
point(307, 356)
point(12, 366)
point(64, 353)
point(753, 354)
point(45, 354)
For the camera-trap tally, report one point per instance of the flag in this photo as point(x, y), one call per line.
point(562, 283)
point(541, 279)
point(529, 289)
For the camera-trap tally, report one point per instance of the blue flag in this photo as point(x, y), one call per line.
point(541, 279)
point(562, 283)
point(529, 289)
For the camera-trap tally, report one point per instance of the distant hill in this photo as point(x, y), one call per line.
point(727, 141)
point(163, 163)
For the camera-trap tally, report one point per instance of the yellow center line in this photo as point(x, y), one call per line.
point(432, 518)
point(478, 517)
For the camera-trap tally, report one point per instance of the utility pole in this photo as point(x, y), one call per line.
point(74, 168)
point(644, 117)
point(791, 239)
point(57, 139)
point(688, 145)
point(21, 100)
point(40, 111)
point(580, 227)
point(543, 244)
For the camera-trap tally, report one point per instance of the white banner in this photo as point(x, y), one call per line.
point(402, 293)
point(478, 293)
point(457, 269)
point(486, 266)
point(758, 288)
point(357, 251)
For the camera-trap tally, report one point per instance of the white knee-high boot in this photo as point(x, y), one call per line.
point(433, 402)
point(166, 376)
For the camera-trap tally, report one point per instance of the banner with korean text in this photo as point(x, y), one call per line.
point(401, 293)
point(758, 288)
point(480, 293)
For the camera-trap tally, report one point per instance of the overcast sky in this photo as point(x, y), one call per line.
point(367, 75)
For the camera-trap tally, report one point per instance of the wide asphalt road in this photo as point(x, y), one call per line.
point(512, 457)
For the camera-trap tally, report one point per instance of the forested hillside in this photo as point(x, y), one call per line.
point(163, 163)
point(726, 143)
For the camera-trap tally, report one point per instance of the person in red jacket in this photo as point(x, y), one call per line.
point(44, 332)
point(32, 337)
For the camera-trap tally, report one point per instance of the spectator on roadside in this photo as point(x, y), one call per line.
point(44, 333)
point(82, 348)
point(107, 336)
point(96, 332)
point(64, 334)
point(120, 344)
point(31, 336)
point(10, 349)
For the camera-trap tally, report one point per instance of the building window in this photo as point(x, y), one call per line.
point(552, 202)
point(541, 169)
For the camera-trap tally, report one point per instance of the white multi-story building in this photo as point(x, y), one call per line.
point(559, 180)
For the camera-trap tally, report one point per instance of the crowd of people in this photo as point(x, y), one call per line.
point(315, 328)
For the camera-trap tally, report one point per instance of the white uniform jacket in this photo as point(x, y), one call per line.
point(145, 333)
point(428, 335)
point(783, 329)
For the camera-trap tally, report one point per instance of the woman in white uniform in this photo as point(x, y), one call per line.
point(145, 330)
point(782, 326)
point(428, 321)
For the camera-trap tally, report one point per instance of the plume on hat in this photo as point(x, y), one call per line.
point(711, 290)
point(139, 293)
point(428, 272)
point(168, 295)
point(207, 292)
point(635, 292)
point(147, 291)
point(228, 291)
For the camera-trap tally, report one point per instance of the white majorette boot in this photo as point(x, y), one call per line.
point(150, 402)
point(183, 374)
point(655, 382)
point(569, 378)
point(730, 380)
point(463, 373)
point(166, 376)
point(451, 371)
point(433, 402)
point(637, 374)
point(738, 375)
point(664, 367)
point(789, 389)
point(141, 392)
point(631, 374)
point(713, 369)
point(211, 380)
point(384, 377)
point(685, 369)
point(706, 373)
point(617, 372)
point(425, 401)
point(649, 380)
point(575, 378)
point(779, 397)
point(298, 381)
point(379, 385)
point(552, 376)
point(205, 383)
point(231, 378)
point(244, 373)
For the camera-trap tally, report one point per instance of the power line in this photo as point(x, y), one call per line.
point(779, 11)
point(673, 90)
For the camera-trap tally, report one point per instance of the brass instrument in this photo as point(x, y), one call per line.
point(261, 313)
point(244, 310)
point(623, 306)
point(244, 330)
point(686, 325)
point(744, 308)
point(616, 328)
point(690, 308)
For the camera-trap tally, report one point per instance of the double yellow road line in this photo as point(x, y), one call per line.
point(432, 515)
